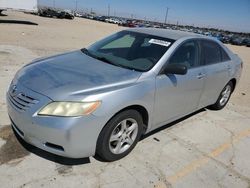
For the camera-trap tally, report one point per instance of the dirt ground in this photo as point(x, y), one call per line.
point(207, 149)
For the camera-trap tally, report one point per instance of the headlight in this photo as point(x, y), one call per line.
point(69, 109)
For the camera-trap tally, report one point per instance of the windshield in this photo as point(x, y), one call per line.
point(131, 50)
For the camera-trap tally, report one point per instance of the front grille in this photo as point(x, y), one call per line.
point(21, 101)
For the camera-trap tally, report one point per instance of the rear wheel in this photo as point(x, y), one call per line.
point(224, 97)
point(120, 135)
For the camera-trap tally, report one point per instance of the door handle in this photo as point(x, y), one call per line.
point(201, 75)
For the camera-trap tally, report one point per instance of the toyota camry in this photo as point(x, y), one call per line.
point(101, 99)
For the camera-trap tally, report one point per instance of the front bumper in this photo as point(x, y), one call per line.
point(73, 137)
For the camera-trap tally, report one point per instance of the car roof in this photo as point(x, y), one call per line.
point(166, 33)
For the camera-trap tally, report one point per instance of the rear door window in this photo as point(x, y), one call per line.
point(224, 55)
point(211, 52)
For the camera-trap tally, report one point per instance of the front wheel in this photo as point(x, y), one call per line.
point(120, 135)
point(224, 97)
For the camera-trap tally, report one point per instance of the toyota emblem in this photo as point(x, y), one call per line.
point(13, 90)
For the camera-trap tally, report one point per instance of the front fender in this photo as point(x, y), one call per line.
point(141, 93)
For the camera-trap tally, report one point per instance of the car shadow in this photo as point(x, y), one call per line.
point(172, 124)
point(17, 22)
point(49, 156)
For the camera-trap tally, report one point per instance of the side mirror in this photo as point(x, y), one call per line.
point(175, 69)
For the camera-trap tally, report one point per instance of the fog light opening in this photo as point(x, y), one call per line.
point(54, 146)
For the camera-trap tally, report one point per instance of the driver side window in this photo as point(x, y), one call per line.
point(186, 54)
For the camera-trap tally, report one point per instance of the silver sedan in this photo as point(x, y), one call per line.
point(102, 99)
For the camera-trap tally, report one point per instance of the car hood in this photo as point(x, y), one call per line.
point(73, 73)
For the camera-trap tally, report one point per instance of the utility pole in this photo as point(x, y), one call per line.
point(108, 10)
point(76, 6)
point(166, 16)
point(54, 4)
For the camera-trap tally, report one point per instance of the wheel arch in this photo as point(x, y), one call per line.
point(139, 108)
point(144, 114)
point(233, 80)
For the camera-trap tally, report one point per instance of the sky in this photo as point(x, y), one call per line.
point(233, 15)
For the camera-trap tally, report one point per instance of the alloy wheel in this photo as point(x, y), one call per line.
point(123, 136)
point(225, 95)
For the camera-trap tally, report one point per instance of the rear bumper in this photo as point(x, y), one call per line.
point(73, 137)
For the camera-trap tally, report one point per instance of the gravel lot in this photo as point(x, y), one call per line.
point(206, 149)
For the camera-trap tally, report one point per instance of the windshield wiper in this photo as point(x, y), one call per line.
point(115, 64)
point(104, 59)
point(126, 67)
point(85, 51)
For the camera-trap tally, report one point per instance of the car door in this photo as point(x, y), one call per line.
point(177, 95)
point(217, 66)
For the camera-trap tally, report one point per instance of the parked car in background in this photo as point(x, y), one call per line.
point(226, 39)
point(128, 23)
point(102, 99)
point(112, 20)
point(88, 16)
point(66, 15)
point(76, 14)
point(48, 12)
point(237, 41)
point(246, 42)
point(102, 18)
point(117, 21)
point(123, 22)
point(109, 20)
point(218, 36)
point(52, 13)
point(98, 18)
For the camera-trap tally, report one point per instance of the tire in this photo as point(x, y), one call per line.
point(220, 104)
point(123, 139)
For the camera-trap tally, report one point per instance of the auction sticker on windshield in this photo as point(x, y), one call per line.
point(159, 42)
